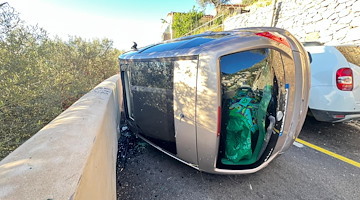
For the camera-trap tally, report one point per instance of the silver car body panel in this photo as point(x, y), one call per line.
point(197, 94)
point(185, 72)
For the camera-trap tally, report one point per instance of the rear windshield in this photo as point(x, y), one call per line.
point(252, 84)
point(246, 69)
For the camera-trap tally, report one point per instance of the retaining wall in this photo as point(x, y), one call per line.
point(74, 156)
point(333, 22)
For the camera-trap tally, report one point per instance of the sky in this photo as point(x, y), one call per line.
point(122, 21)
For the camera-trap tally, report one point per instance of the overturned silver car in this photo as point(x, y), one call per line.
point(222, 102)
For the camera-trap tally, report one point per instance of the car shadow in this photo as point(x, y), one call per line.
point(341, 138)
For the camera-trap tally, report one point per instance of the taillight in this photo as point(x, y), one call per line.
point(344, 79)
point(274, 37)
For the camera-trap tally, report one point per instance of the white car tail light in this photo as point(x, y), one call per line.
point(344, 79)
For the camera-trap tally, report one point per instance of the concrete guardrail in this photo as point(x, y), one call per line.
point(74, 156)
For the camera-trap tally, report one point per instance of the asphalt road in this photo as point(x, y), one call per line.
point(300, 173)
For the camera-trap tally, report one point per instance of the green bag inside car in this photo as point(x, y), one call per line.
point(245, 130)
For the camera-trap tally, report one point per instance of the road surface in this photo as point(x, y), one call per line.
point(300, 173)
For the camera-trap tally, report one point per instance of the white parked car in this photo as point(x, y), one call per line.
point(335, 85)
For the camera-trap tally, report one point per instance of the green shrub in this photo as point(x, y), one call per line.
point(249, 2)
point(185, 22)
point(40, 77)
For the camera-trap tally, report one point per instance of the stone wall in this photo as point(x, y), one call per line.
point(256, 17)
point(351, 53)
point(333, 22)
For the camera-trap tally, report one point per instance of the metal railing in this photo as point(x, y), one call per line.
point(210, 25)
point(215, 24)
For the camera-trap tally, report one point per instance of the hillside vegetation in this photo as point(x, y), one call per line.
point(41, 76)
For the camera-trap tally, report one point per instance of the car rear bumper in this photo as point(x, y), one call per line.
point(331, 116)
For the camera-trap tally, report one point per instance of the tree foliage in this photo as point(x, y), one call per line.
point(40, 77)
point(185, 22)
point(249, 2)
point(9, 19)
point(215, 3)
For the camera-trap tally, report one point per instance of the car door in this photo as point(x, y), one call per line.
point(185, 73)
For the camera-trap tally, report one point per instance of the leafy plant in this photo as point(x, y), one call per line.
point(185, 22)
point(215, 3)
point(249, 2)
point(40, 77)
